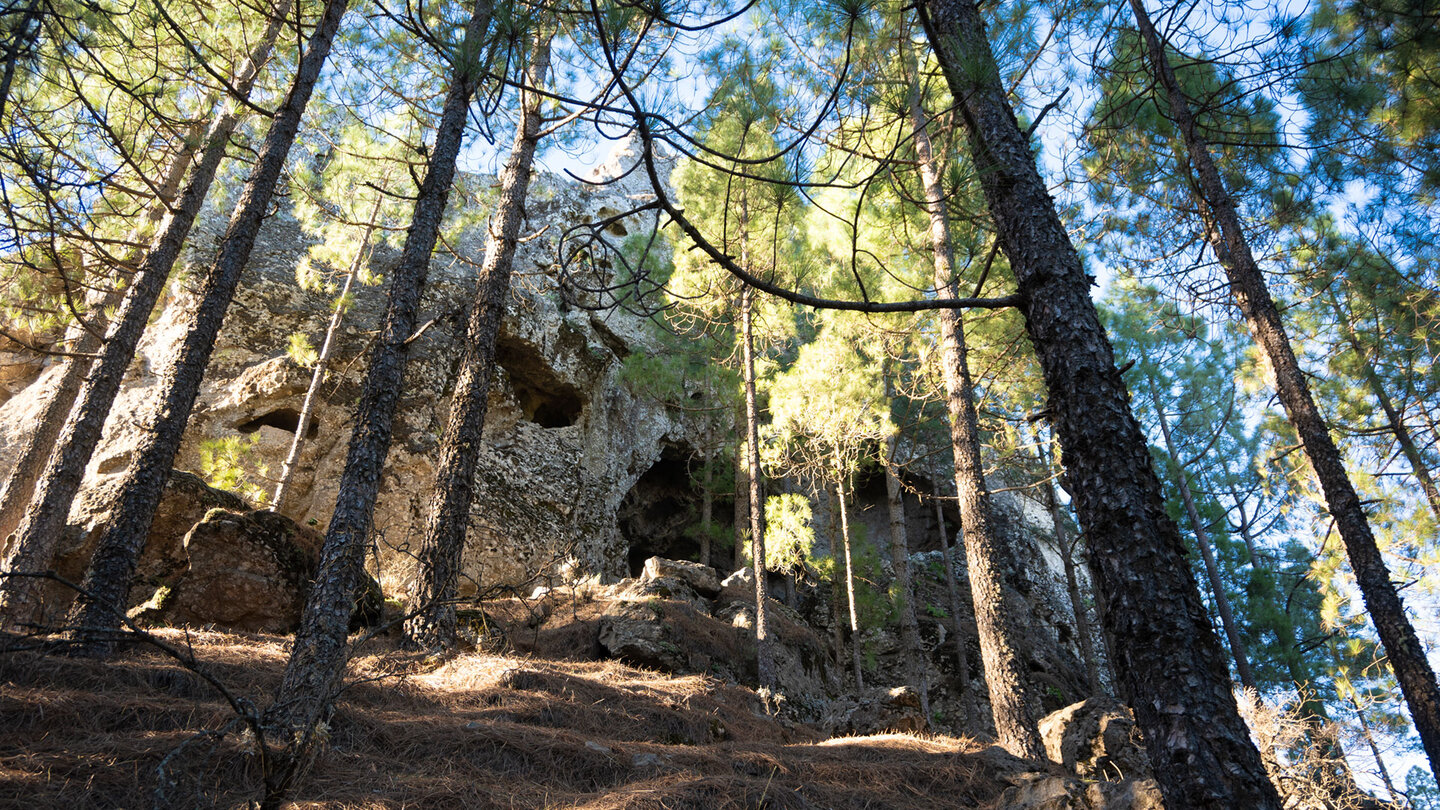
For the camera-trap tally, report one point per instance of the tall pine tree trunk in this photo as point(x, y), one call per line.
point(764, 656)
point(1169, 664)
point(948, 553)
point(35, 540)
point(433, 624)
point(742, 498)
point(318, 656)
point(915, 656)
point(1252, 296)
point(101, 605)
point(1004, 674)
point(322, 364)
point(1068, 548)
point(849, 573)
point(1207, 553)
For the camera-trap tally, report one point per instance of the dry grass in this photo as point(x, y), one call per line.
point(477, 731)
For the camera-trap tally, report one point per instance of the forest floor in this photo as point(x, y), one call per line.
point(535, 727)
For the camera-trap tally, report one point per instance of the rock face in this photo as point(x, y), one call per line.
point(565, 440)
point(1096, 739)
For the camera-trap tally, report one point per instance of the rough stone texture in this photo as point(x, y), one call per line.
point(1096, 739)
point(246, 571)
point(635, 632)
point(565, 440)
point(702, 578)
point(1036, 790)
point(186, 500)
point(877, 711)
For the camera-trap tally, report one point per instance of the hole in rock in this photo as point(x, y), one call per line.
point(545, 399)
point(660, 515)
point(287, 419)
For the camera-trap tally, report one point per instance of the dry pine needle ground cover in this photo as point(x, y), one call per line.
point(476, 731)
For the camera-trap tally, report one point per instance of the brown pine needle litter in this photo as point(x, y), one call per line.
point(474, 731)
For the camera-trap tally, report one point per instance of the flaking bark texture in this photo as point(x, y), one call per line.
point(433, 624)
point(34, 542)
point(1252, 296)
point(318, 655)
point(1010, 705)
point(1168, 662)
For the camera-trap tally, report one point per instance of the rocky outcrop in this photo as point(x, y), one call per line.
point(565, 440)
point(1096, 739)
point(877, 711)
point(662, 620)
point(244, 571)
point(209, 560)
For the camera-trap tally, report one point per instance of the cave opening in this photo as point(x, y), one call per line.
point(287, 419)
point(544, 398)
point(660, 515)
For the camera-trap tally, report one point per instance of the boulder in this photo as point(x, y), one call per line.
point(1096, 739)
point(635, 632)
point(876, 711)
point(646, 588)
point(738, 587)
point(186, 500)
point(244, 571)
point(701, 578)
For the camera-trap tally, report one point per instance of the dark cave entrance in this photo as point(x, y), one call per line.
point(660, 515)
point(545, 399)
point(287, 419)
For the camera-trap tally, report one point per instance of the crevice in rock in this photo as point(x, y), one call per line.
point(545, 399)
point(287, 419)
point(660, 515)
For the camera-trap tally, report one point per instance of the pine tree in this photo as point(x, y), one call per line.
point(1252, 296)
point(35, 539)
point(317, 659)
point(433, 623)
point(1168, 655)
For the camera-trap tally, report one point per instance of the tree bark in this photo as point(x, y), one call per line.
point(948, 551)
point(101, 604)
point(849, 574)
point(1004, 674)
point(1167, 660)
point(1068, 547)
point(1207, 554)
point(318, 656)
point(763, 654)
point(35, 540)
point(433, 624)
point(904, 590)
point(1252, 297)
point(322, 364)
point(742, 500)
